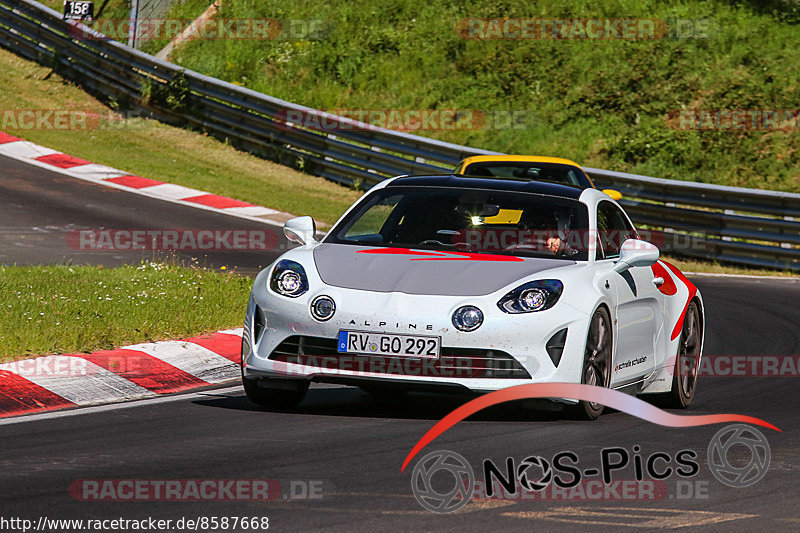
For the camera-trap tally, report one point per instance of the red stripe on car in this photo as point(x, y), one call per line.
point(692, 292)
point(668, 287)
point(419, 255)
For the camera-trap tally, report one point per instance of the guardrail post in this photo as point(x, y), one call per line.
point(133, 23)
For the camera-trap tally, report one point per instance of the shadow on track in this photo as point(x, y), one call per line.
point(353, 402)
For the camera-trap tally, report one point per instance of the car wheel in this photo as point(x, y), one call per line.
point(687, 362)
point(596, 363)
point(275, 393)
point(279, 394)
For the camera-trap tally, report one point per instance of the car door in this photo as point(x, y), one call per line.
point(639, 314)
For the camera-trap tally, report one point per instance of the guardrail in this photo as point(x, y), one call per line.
point(730, 224)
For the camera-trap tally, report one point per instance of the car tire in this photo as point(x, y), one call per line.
point(687, 362)
point(283, 394)
point(596, 369)
point(274, 392)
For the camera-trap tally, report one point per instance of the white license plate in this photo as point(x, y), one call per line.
point(388, 344)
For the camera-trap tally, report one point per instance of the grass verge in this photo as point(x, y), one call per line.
point(81, 309)
point(150, 149)
point(190, 158)
point(609, 103)
point(713, 267)
point(115, 14)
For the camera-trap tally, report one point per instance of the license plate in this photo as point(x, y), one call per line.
point(388, 344)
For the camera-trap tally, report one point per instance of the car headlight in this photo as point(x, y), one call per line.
point(533, 296)
point(289, 279)
point(468, 318)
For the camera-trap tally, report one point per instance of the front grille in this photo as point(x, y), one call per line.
point(453, 362)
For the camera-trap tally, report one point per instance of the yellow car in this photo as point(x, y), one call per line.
point(530, 168)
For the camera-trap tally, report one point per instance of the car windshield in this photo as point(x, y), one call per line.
point(467, 220)
point(528, 171)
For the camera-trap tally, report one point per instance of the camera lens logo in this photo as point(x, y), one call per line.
point(537, 462)
point(719, 455)
point(442, 495)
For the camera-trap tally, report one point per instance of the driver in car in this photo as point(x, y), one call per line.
point(548, 228)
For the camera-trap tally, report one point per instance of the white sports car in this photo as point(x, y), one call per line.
point(453, 282)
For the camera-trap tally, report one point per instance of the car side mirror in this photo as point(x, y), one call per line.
point(301, 230)
point(636, 253)
point(615, 195)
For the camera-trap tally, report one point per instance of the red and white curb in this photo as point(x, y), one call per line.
point(56, 161)
point(129, 373)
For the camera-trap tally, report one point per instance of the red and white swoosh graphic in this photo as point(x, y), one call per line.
point(419, 255)
point(692, 292)
point(662, 270)
point(590, 393)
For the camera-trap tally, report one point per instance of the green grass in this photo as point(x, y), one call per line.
point(119, 10)
point(599, 103)
point(602, 103)
point(80, 309)
point(185, 10)
point(153, 150)
point(714, 267)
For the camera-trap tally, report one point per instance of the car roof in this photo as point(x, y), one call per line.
point(517, 158)
point(532, 159)
point(495, 184)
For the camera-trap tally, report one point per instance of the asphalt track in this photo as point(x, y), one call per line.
point(39, 208)
point(353, 444)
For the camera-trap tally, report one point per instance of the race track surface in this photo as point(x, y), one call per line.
point(351, 444)
point(39, 208)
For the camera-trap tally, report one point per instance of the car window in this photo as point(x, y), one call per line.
point(367, 228)
point(599, 247)
point(613, 229)
point(550, 172)
point(472, 220)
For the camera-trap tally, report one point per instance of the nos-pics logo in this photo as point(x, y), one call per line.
point(443, 481)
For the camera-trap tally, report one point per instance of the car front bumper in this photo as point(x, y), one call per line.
point(283, 340)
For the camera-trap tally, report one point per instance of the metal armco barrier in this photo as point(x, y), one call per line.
point(730, 224)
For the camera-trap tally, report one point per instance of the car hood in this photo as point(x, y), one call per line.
point(423, 271)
